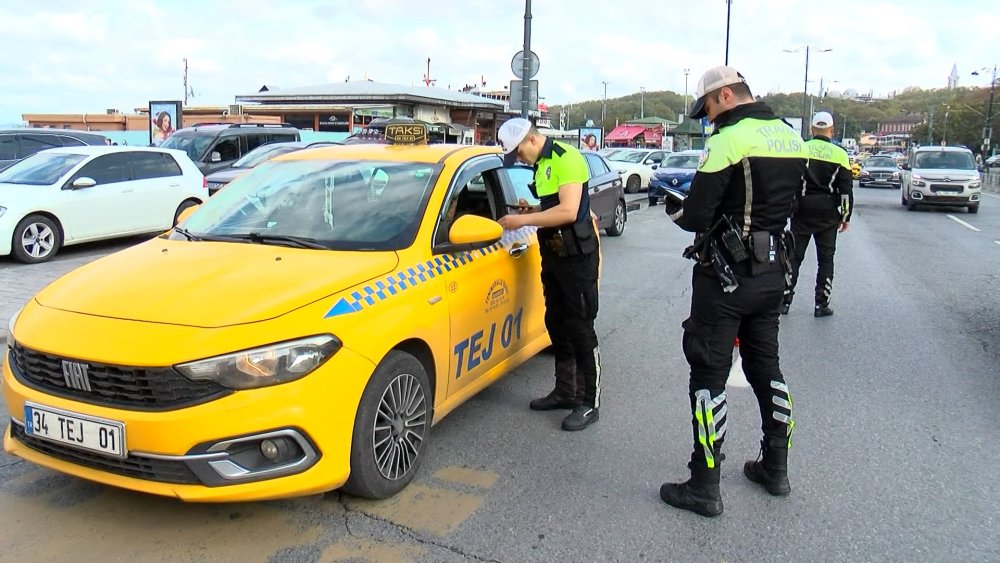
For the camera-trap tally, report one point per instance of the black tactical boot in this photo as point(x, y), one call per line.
point(822, 311)
point(699, 494)
point(581, 417)
point(553, 401)
point(771, 467)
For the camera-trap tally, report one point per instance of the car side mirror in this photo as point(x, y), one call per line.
point(216, 156)
point(655, 166)
point(83, 182)
point(473, 231)
point(904, 166)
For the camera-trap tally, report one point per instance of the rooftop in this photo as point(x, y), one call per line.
point(372, 92)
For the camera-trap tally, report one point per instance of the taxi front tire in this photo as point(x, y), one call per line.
point(391, 428)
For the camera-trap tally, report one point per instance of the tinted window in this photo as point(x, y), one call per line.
point(228, 148)
point(253, 141)
point(42, 169)
point(284, 137)
point(149, 165)
point(106, 169)
point(345, 205)
point(8, 147)
point(880, 163)
point(71, 142)
point(654, 158)
point(30, 144)
point(597, 166)
point(193, 144)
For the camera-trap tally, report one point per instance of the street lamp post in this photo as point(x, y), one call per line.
point(805, 84)
point(729, 6)
point(988, 125)
point(686, 71)
point(604, 108)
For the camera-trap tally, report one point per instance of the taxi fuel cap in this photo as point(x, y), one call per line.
point(399, 132)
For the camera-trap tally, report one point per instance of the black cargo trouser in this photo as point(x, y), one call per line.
point(826, 247)
point(717, 318)
point(571, 302)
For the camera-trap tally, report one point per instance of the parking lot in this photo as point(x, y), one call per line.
point(885, 465)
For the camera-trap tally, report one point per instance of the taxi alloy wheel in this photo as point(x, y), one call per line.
point(391, 428)
point(618, 226)
point(36, 239)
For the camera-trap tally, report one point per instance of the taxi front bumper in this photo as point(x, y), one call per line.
point(212, 451)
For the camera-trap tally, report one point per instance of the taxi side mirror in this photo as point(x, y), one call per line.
point(472, 231)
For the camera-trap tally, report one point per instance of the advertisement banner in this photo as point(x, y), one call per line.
point(164, 119)
point(590, 138)
point(668, 143)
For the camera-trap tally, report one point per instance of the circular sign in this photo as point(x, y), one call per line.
point(517, 65)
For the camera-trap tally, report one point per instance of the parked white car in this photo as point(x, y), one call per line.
point(636, 166)
point(71, 195)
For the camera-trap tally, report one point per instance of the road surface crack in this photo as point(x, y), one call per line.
point(409, 532)
point(12, 464)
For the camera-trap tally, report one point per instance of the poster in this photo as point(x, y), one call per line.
point(668, 143)
point(590, 138)
point(164, 119)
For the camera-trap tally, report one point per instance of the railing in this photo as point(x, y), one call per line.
point(991, 180)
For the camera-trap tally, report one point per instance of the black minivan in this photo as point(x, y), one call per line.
point(18, 144)
point(216, 146)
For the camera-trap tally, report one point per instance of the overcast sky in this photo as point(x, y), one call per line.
point(67, 56)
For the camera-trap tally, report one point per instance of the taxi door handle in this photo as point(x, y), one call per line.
point(518, 249)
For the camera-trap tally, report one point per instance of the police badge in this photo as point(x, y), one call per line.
point(548, 172)
point(703, 158)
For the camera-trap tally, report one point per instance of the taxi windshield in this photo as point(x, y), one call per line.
point(334, 204)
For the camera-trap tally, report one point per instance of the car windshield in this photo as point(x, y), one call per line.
point(880, 162)
point(262, 154)
point(678, 161)
point(194, 145)
point(945, 160)
point(628, 156)
point(341, 205)
point(40, 169)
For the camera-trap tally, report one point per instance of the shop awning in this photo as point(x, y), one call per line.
point(625, 132)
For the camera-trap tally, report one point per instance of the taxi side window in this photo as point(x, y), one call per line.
point(520, 177)
point(477, 196)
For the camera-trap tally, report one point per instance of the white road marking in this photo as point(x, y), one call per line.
point(963, 223)
point(997, 241)
point(736, 376)
point(991, 195)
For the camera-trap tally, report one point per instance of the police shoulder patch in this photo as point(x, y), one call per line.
point(704, 157)
point(548, 172)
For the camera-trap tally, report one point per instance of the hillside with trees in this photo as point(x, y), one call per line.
point(958, 113)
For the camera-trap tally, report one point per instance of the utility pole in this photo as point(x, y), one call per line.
point(642, 102)
point(604, 108)
point(526, 68)
point(686, 71)
point(930, 129)
point(729, 6)
point(185, 82)
point(805, 86)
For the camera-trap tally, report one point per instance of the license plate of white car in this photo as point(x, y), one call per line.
point(75, 430)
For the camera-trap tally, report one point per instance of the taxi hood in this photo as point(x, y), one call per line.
point(210, 284)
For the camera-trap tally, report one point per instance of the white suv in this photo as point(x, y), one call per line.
point(71, 195)
point(941, 176)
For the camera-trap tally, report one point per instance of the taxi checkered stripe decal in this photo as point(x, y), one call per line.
point(411, 276)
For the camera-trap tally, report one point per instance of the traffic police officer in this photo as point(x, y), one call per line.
point(570, 261)
point(825, 207)
point(739, 203)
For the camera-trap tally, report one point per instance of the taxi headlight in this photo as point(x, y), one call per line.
point(264, 366)
point(10, 329)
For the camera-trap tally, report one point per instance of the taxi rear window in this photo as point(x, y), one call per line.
point(343, 205)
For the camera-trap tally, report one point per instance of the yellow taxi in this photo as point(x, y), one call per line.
point(300, 332)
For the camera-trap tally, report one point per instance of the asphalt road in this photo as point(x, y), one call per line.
point(894, 453)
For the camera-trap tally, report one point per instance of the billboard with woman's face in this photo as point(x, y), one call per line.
point(164, 119)
point(590, 138)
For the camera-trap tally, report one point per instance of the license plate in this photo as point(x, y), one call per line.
point(75, 430)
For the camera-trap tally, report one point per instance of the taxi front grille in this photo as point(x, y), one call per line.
point(115, 386)
point(163, 471)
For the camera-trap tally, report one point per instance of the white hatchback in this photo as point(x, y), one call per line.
point(70, 195)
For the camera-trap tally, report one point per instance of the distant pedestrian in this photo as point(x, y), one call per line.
point(824, 209)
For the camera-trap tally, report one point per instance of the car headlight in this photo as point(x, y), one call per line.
point(895, 175)
point(917, 177)
point(10, 329)
point(975, 183)
point(864, 173)
point(918, 184)
point(264, 366)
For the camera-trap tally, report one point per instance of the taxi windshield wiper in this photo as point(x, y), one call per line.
point(186, 234)
point(287, 240)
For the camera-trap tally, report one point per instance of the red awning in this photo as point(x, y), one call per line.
point(625, 133)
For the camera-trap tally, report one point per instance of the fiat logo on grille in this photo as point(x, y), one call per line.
point(75, 375)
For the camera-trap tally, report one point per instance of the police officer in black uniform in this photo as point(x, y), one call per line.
point(570, 252)
point(824, 209)
point(739, 204)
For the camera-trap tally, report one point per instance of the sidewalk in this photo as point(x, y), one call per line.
point(20, 282)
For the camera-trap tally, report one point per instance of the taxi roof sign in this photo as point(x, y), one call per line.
point(399, 132)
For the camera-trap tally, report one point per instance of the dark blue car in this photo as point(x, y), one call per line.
point(675, 173)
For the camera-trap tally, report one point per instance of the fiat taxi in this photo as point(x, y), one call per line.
point(299, 332)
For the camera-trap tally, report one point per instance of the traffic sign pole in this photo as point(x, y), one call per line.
point(526, 60)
